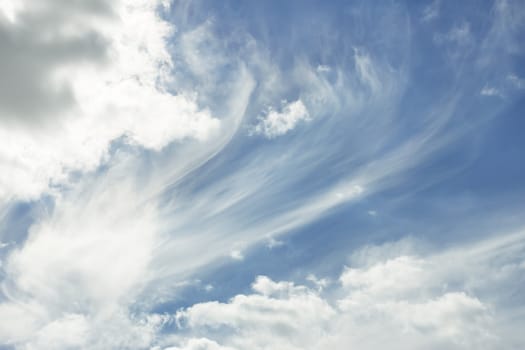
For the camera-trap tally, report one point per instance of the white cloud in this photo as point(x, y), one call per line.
point(10, 9)
point(106, 79)
point(237, 255)
point(321, 68)
point(70, 331)
point(274, 243)
point(366, 71)
point(490, 91)
point(108, 243)
point(88, 260)
point(405, 301)
point(198, 344)
point(394, 276)
point(201, 50)
point(280, 309)
point(279, 123)
point(83, 264)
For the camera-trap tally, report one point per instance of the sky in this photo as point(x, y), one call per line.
point(229, 175)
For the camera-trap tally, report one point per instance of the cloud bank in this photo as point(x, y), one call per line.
point(395, 301)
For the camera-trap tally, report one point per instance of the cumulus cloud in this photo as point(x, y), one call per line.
point(395, 301)
point(280, 309)
point(279, 123)
point(78, 76)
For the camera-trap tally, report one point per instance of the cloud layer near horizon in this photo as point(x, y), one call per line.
point(390, 297)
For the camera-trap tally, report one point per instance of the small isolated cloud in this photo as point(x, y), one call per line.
point(372, 213)
point(349, 192)
point(279, 123)
point(274, 243)
point(490, 91)
point(323, 68)
point(237, 255)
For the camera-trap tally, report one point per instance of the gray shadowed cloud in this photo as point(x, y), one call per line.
point(35, 43)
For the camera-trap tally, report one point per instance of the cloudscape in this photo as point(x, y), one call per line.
point(277, 175)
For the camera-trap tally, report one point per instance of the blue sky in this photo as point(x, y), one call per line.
point(219, 175)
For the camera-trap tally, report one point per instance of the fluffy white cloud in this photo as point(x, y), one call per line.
point(279, 123)
point(279, 314)
point(101, 71)
point(384, 301)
